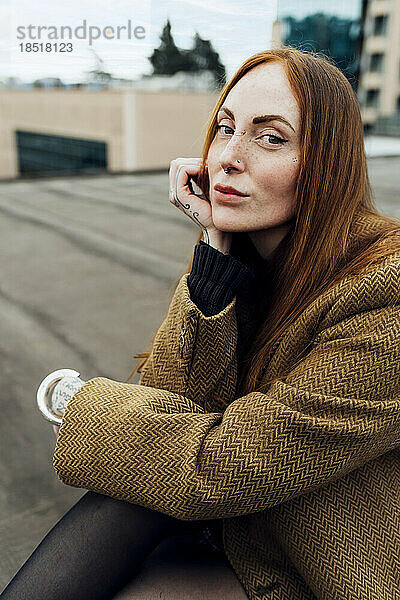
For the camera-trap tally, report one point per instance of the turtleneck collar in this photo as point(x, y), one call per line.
point(244, 250)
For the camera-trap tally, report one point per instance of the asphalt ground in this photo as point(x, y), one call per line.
point(87, 268)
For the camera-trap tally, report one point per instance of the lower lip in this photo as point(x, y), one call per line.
point(222, 197)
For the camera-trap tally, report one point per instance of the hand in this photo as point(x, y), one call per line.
point(196, 206)
point(44, 394)
point(62, 393)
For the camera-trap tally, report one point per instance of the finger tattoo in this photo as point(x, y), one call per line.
point(186, 207)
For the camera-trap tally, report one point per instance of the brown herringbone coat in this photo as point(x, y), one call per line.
point(306, 476)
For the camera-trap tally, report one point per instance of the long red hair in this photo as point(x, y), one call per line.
point(333, 190)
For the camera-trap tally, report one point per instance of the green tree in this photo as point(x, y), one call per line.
point(206, 58)
point(168, 59)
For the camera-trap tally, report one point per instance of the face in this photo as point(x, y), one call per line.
point(264, 161)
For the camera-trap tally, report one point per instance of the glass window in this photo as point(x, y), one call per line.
point(373, 98)
point(376, 63)
point(40, 153)
point(380, 25)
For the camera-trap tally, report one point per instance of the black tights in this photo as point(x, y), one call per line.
point(94, 550)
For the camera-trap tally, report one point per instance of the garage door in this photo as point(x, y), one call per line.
point(43, 154)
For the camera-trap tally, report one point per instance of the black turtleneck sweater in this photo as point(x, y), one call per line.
point(216, 278)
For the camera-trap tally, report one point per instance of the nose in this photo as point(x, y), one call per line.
point(232, 156)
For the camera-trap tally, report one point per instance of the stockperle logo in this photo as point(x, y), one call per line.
point(81, 32)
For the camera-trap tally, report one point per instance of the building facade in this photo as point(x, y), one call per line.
point(379, 86)
point(57, 131)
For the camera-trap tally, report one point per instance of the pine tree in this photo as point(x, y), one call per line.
point(168, 59)
point(206, 58)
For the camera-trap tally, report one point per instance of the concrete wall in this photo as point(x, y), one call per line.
point(142, 129)
point(170, 124)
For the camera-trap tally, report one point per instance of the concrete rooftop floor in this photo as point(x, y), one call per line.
point(88, 264)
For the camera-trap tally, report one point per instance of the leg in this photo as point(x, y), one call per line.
point(178, 569)
point(92, 551)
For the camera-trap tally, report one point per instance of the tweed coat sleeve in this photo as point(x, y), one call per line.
point(338, 408)
point(184, 346)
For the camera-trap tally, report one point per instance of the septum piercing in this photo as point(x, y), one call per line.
point(229, 168)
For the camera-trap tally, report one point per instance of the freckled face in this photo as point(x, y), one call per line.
point(268, 152)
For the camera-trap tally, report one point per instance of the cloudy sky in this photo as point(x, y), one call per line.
point(237, 29)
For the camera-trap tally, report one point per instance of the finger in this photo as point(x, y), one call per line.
point(176, 163)
point(180, 161)
point(195, 206)
point(181, 188)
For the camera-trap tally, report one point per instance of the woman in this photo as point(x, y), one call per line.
point(268, 409)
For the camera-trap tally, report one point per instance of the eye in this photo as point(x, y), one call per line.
point(277, 140)
point(274, 139)
point(219, 127)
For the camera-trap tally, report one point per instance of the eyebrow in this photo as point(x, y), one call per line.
point(261, 119)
